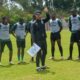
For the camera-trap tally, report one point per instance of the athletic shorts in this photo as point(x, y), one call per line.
point(21, 43)
point(55, 36)
point(5, 42)
point(75, 37)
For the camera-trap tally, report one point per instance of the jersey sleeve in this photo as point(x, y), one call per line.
point(47, 18)
point(79, 18)
point(70, 25)
point(60, 24)
point(14, 27)
point(10, 27)
point(26, 27)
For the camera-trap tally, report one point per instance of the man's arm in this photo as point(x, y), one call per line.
point(47, 15)
point(60, 25)
point(13, 30)
point(70, 25)
point(26, 29)
point(28, 25)
point(79, 21)
point(10, 28)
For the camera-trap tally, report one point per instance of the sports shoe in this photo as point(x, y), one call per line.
point(69, 58)
point(78, 58)
point(62, 58)
point(44, 67)
point(19, 62)
point(11, 63)
point(38, 69)
point(51, 58)
point(0, 64)
point(32, 60)
point(22, 62)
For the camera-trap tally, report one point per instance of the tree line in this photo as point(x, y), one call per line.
point(60, 4)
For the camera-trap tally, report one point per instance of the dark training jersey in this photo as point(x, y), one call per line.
point(39, 33)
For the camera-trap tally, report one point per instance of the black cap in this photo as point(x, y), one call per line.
point(37, 12)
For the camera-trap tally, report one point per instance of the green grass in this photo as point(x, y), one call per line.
point(59, 70)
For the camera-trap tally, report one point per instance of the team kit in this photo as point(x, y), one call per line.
point(36, 27)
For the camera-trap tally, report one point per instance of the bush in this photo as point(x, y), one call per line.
point(15, 14)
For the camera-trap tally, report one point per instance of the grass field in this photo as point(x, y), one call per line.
point(59, 70)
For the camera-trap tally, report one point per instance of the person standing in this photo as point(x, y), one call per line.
point(74, 27)
point(19, 31)
point(39, 37)
point(56, 28)
point(5, 38)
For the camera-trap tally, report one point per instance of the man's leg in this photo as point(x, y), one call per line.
point(60, 47)
point(0, 56)
point(38, 57)
point(71, 50)
point(10, 55)
point(2, 45)
point(9, 44)
point(22, 55)
point(52, 38)
point(52, 48)
point(43, 55)
point(72, 40)
point(23, 48)
point(18, 55)
point(78, 44)
point(18, 50)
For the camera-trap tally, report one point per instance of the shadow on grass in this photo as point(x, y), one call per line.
point(23, 63)
point(76, 60)
point(59, 60)
point(7, 66)
point(45, 72)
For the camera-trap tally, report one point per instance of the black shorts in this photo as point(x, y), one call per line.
point(21, 43)
point(5, 42)
point(55, 36)
point(75, 37)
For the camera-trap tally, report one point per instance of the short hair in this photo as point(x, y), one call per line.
point(5, 17)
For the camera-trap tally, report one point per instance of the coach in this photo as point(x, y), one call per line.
point(39, 38)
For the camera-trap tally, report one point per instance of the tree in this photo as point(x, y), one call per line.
point(63, 4)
